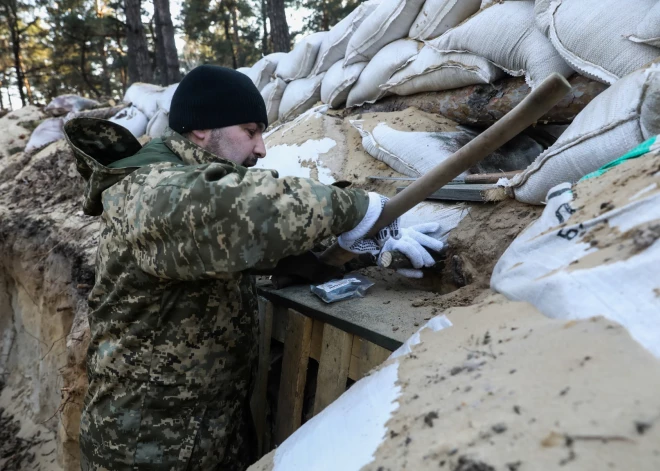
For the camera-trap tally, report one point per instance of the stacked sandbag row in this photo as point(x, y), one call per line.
point(148, 110)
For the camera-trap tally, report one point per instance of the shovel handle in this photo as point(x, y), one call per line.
point(526, 113)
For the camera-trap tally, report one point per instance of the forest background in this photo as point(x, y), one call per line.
point(97, 48)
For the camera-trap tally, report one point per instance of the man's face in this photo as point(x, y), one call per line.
point(242, 144)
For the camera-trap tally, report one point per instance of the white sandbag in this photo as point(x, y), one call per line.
point(505, 34)
point(595, 251)
point(299, 96)
point(299, 62)
point(648, 30)
point(144, 96)
point(606, 128)
point(49, 130)
point(437, 16)
point(263, 70)
point(64, 104)
point(338, 81)
point(132, 119)
point(157, 124)
point(432, 71)
point(591, 35)
point(542, 16)
point(379, 69)
point(165, 98)
point(272, 95)
point(390, 21)
point(334, 43)
point(245, 70)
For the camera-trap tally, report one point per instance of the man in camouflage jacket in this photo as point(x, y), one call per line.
point(173, 312)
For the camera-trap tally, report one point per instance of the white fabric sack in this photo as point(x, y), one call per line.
point(165, 98)
point(132, 119)
point(299, 96)
point(272, 95)
point(64, 104)
point(555, 266)
point(299, 62)
point(605, 129)
point(432, 71)
point(334, 43)
point(338, 81)
point(379, 69)
point(437, 16)
point(49, 130)
point(542, 16)
point(506, 34)
point(648, 30)
point(144, 96)
point(157, 124)
point(262, 71)
point(390, 21)
point(591, 35)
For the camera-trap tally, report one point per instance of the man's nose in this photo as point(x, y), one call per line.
point(260, 148)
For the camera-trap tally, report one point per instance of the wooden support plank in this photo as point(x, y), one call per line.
point(467, 192)
point(317, 340)
point(333, 366)
point(297, 344)
point(258, 401)
point(365, 356)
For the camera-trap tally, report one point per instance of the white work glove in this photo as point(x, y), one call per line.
point(411, 241)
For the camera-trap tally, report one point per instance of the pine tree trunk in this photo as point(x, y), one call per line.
point(240, 58)
point(12, 20)
point(166, 53)
point(264, 20)
point(229, 38)
point(279, 29)
point(139, 66)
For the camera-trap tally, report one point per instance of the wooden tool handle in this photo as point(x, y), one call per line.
point(526, 113)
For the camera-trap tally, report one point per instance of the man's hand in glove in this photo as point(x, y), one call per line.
point(412, 241)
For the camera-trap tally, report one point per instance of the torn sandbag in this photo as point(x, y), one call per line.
point(608, 127)
point(648, 30)
point(299, 62)
point(64, 104)
point(272, 95)
point(591, 35)
point(157, 124)
point(379, 69)
point(333, 47)
point(506, 34)
point(594, 251)
point(432, 71)
point(50, 130)
point(416, 153)
point(144, 97)
point(132, 119)
point(299, 96)
point(437, 16)
point(338, 81)
point(390, 21)
point(164, 100)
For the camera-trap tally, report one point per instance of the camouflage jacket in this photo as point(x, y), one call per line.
point(173, 315)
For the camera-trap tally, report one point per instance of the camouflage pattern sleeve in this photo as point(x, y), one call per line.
point(206, 221)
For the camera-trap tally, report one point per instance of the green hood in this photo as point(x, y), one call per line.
point(106, 153)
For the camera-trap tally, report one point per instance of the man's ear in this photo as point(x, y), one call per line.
point(200, 134)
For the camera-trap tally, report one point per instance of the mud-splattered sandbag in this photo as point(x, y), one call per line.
point(437, 16)
point(272, 95)
point(595, 250)
point(49, 130)
point(144, 96)
point(648, 30)
point(432, 71)
point(415, 153)
point(299, 96)
point(64, 104)
point(390, 21)
point(592, 35)
point(338, 81)
point(299, 62)
point(379, 69)
point(333, 47)
point(617, 120)
point(157, 124)
point(165, 99)
point(506, 34)
point(132, 119)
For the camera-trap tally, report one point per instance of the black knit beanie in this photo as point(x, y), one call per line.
point(212, 97)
